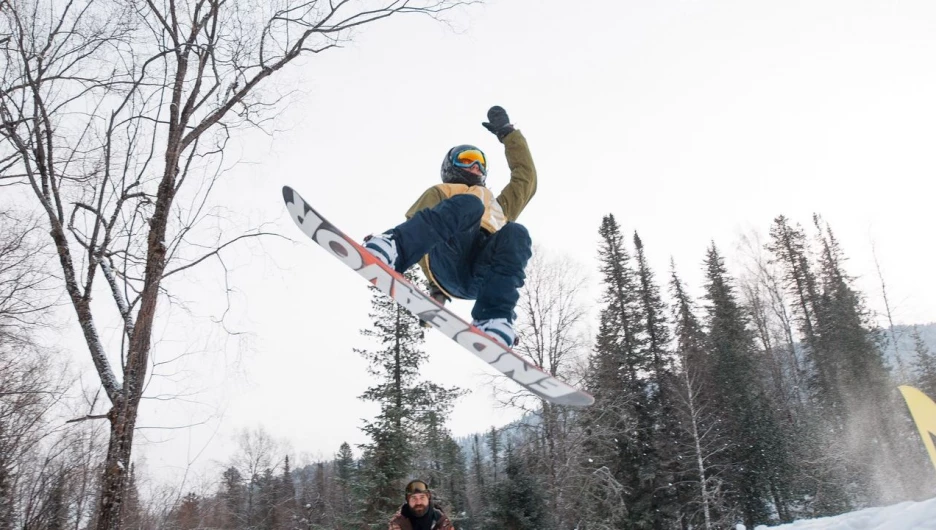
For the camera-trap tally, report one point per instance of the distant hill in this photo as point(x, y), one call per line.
point(905, 346)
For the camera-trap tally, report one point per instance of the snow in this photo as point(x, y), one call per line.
point(903, 516)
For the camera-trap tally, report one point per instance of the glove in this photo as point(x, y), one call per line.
point(498, 122)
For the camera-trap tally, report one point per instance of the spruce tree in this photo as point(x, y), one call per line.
point(661, 455)
point(267, 490)
point(438, 459)
point(494, 445)
point(232, 497)
point(405, 406)
point(925, 366)
point(789, 246)
point(346, 499)
point(287, 512)
point(479, 486)
point(317, 503)
point(620, 426)
point(701, 439)
point(870, 433)
point(518, 502)
point(824, 471)
point(187, 515)
point(757, 455)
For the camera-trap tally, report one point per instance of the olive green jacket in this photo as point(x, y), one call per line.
point(506, 207)
point(512, 200)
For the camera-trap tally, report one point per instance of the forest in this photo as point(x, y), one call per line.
point(770, 398)
point(765, 394)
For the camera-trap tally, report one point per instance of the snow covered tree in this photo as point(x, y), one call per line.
point(478, 490)
point(286, 509)
point(869, 432)
point(518, 502)
point(407, 406)
point(662, 454)
point(187, 516)
point(701, 439)
point(925, 366)
point(551, 320)
point(232, 497)
point(620, 426)
point(494, 446)
point(757, 459)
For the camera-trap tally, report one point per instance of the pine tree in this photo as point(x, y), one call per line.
point(479, 491)
point(316, 504)
point(661, 453)
point(438, 458)
point(701, 439)
point(823, 471)
point(187, 516)
point(870, 433)
point(757, 459)
point(790, 249)
point(131, 513)
point(494, 446)
point(347, 514)
point(620, 426)
point(925, 370)
point(518, 502)
point(287, 512)
point(655, 325)
point(232, 497)
point(405, 405)
point(267, 490)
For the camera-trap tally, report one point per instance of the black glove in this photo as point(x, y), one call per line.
point(498, 122)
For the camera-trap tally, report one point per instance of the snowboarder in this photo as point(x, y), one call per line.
point(469, 243)
point(418, 513)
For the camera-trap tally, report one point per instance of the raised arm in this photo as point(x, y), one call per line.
point(514, 198)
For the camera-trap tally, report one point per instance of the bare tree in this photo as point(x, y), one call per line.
point(24, 281)
point(39, 460)
point(115, 115)
point(258, 453)
point(767, 302)
point(903, 375)
point(551, 327)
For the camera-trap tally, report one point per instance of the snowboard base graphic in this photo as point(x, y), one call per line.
point(420, 304)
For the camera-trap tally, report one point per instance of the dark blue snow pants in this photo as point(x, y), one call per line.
point(465, 260)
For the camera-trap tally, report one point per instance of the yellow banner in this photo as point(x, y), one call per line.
point(923, 411)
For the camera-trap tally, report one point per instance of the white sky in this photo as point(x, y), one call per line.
point(690, 121)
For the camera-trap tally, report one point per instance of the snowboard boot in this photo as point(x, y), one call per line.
point(501, 329)
point(383, 247)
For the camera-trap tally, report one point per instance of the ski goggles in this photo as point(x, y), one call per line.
point(470, 157)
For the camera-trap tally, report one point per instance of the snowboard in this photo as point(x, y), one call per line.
point(355, 256)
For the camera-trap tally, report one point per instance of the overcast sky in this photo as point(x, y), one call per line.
point(690, 121)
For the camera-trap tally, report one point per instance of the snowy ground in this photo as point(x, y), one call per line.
point(903, 516)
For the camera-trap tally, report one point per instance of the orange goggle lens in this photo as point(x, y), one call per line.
point(469, 158)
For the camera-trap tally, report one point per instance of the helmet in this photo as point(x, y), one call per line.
point(455, 167)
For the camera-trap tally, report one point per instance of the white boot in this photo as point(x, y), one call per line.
point(501, 329)
point(383, 247)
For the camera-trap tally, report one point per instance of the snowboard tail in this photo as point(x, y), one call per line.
point(420, 304)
